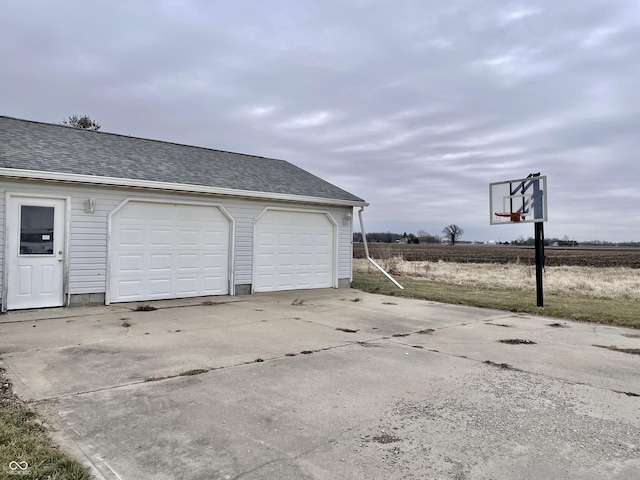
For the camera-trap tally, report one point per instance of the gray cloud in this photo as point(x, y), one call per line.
point(415, 106)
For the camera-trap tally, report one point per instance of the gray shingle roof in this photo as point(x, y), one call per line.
point(48, 147)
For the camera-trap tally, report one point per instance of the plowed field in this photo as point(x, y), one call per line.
point(464, 253)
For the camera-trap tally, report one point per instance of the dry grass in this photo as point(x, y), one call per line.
point(26, 450)
point(613, 283)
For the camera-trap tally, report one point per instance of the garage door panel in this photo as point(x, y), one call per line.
point(130, 263)
point(168, 251)
point(130, 288)
point(187, 286)
point(286, 260)
point(161, 237)
point(212, 282)
point(160, 262)
point(214, 260)
point(159, 285)
point(187, 237)
point(305, 278)
point(187, 261)
point(286, 239)
point(305, 239)
point(322, 260)
point(322, 240)
point(214, 238)
point(130, 236)
point(294, 250)
point(285, 280)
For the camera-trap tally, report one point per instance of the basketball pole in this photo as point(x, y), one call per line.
point(539, 241)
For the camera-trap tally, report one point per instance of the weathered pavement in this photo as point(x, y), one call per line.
point(256, 387)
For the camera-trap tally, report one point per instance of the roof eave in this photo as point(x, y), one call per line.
point(24, 174)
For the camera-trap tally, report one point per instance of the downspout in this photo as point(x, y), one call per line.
point(366, 251)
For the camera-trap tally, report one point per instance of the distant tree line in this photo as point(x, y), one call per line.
point(452, 234)
point(602, 243)
point(390, 237)
point(567, 242)
point(555, 242)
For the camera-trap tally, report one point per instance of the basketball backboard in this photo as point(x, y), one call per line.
point(523, 200)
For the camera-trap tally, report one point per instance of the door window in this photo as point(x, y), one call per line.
point(36, 230)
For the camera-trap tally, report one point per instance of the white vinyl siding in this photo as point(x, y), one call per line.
point(2, 219)
point(87, 256)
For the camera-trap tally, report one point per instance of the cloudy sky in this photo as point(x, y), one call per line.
point(415, 106)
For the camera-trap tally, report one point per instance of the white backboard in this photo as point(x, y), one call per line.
point(523, 200)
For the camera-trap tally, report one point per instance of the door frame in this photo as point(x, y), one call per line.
point(169, 201)
point(9, 196)
point(334, 266)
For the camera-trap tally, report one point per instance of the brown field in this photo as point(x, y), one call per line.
point(505, 254)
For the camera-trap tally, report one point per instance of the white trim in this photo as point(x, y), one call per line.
point(167, 186)
point(66, 247)
point(67, 252)
point(298, 210)
point(225, 213)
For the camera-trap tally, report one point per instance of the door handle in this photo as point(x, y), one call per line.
point(59, 259)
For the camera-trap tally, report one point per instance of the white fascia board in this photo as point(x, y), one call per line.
point(166, 186)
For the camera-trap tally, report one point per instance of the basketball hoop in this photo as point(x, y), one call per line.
point(523, 200)
point(514, 216)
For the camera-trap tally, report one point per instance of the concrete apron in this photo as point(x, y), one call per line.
point(268, 386)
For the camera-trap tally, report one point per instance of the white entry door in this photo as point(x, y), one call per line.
point(35, 249)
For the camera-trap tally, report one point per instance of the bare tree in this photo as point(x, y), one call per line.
point(452, 233)
point(83, 122)
point(425, 237)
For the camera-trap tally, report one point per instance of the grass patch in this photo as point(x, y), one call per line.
point(26, 451)
point(580, 308)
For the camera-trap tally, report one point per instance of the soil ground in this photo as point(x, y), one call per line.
point(465, 253)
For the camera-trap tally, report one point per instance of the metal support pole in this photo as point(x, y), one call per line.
point(539, 241)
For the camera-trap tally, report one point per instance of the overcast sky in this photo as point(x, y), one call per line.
point(415, 106)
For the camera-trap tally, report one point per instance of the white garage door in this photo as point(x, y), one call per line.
point(161, 250)
point(293, 250)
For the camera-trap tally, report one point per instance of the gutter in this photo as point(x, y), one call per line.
point(23, 174)
point(366, 251)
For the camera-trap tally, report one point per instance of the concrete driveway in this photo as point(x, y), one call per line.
point(268, 386)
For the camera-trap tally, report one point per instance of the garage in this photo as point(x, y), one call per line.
point(294, 250)
point(143, 219)
point(168, 250)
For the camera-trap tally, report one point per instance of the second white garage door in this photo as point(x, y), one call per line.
point(293, 250)
point(162, 250)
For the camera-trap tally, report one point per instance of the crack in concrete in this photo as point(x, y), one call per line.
point(385, 338)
